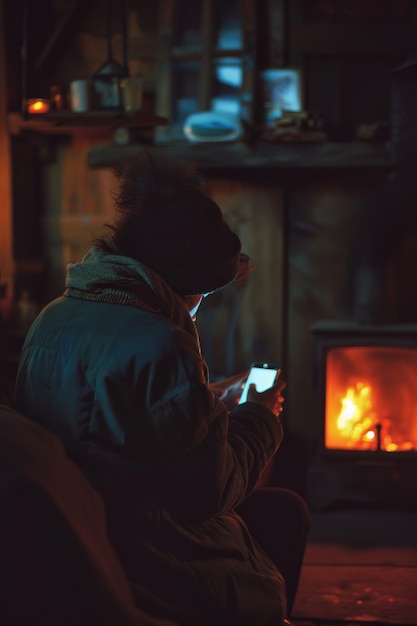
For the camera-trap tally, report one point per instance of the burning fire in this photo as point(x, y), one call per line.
point(356, 418)
point(358, 424)
point(370, 400)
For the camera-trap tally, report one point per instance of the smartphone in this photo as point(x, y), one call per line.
point(263, 375)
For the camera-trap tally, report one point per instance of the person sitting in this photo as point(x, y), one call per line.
point(114, 368)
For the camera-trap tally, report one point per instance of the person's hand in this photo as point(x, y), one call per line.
point(229, 389)
point(271, 398)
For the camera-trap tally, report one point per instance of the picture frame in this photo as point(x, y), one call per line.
point(281, 92)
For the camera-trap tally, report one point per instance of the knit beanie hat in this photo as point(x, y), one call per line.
point(166, 221)
point(191, 247)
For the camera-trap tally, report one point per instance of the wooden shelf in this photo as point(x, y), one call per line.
point(66, 122)
point(266, 156)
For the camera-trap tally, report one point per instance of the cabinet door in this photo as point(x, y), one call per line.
point(205, 60)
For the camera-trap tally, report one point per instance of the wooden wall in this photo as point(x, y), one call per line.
point(77, 202)
point(6, 235)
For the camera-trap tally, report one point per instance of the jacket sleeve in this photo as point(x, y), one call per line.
point(204, 460)
point(222, 469)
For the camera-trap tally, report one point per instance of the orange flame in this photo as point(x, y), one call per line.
point(359, 426)
point(370, 400)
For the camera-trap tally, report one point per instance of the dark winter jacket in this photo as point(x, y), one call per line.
point(114, 369)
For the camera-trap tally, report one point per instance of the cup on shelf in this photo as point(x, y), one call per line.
point(80, 95)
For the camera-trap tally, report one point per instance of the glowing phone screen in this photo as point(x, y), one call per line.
point(262, 377)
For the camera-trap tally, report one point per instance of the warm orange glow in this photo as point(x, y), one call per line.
point(38, 106)
point(370, 399)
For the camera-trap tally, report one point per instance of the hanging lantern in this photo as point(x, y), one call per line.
point(106, 85)
point(106, 80)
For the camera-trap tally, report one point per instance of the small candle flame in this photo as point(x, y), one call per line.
point(37, 106)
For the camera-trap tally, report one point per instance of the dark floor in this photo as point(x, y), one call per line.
point(360, 567)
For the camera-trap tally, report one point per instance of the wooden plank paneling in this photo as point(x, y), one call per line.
point(6, 238)
point(349, 38)
point(77, 202)
point(277, 29)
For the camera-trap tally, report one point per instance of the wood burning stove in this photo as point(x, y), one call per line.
point(367, 388)
point(366, 429)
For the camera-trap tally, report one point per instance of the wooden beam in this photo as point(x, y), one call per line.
point(278, 32)
point(6, 205)
point(74, 12)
